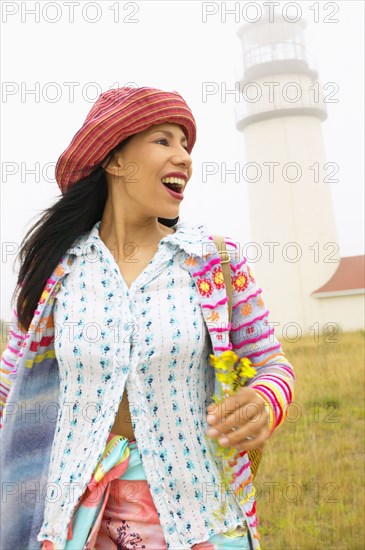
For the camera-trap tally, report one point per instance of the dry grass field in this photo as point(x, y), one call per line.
point(310, 486)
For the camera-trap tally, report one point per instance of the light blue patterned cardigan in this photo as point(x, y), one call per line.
point(31, 381)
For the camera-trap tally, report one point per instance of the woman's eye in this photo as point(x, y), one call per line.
point(165, 140)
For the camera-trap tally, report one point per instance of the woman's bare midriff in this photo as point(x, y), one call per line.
point(123, 422)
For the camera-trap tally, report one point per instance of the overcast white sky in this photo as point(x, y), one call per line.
point(165, 45)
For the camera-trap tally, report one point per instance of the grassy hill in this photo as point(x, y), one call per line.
point(310, 486)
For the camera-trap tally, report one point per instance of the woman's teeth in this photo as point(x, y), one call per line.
point(176, 184)
point(173, 180)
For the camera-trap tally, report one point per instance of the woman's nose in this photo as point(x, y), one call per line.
point(184, 157)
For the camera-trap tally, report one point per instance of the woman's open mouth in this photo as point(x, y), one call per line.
point(174, 186)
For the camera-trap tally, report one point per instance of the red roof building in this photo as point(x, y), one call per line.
point(349, 278)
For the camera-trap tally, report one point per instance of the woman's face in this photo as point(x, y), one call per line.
point(148, 157)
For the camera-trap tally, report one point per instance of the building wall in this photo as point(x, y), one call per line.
point(347, 311)
point(295, 220)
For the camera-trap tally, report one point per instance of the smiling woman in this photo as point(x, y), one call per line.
point(137, 194)
point(113, 256)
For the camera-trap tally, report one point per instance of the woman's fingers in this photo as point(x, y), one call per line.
point(240, 416)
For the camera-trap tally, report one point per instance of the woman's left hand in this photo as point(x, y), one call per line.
point(245, 410)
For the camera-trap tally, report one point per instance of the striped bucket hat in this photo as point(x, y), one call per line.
point(116, 115)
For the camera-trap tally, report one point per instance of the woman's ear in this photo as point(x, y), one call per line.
point(114, 164)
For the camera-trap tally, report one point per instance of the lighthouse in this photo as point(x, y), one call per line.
point(294, 242)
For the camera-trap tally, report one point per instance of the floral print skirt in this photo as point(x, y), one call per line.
point(117, 511)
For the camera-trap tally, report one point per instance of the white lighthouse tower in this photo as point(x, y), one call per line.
point(289, 180)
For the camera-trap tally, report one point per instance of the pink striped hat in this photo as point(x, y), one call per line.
point(116, 115)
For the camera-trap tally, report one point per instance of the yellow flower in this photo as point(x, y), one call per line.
point(245, 361)
point(231, 372)
point(213, 359)
point(221, 377)
point(220, 365)
point(229, 357)
point(216, 362)
point(244, 369)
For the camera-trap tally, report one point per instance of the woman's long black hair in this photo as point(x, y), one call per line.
point(43, 246)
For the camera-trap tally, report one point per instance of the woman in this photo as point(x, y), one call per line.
point(120, 307)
